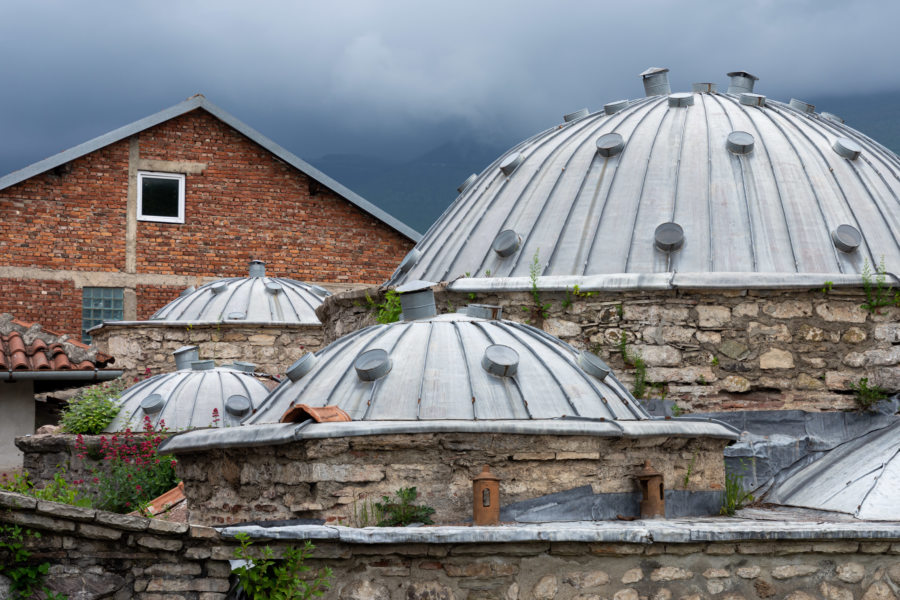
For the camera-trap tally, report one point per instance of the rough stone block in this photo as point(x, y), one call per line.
point(845, 312)
point(713, 317)
point(776, 359)
point(66, 511)
point(736, 384)
point(789, 571)
point(155, 543)
point(888, 332)
point(769, 333)
point(670, 574)
point(854, 335)
point(131, 523)
point(99, 532)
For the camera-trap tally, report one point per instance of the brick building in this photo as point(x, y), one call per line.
point(116, 227)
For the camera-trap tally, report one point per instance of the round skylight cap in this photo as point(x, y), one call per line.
point(846, 238)
point(511, 163)
point(319, 291)
point(273, 287)
point(467, 183)
point(705, 87)
point(187, 290)
point(152, 404)
point(500, 360)
point(669, 236)
point(506, 243)
point(740, 142)
point(681, 99)
point(847, 148)
point(410, 260)
point(804, 107)
point(591, 364)
point(831, 117)
point(490, 312)
point(238, 406)
point(218, 287)
point(203, 365)
point(236, 316)
point(753, 100)
point(372, 364)
point(574, 116)
point(301, 366)
point(610, 144)
point(245, 367)
point(614, 107)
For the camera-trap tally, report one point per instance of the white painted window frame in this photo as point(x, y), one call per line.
point(140, 196)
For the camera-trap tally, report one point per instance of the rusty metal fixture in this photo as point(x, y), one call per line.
point(653, 500)
point(486, 498)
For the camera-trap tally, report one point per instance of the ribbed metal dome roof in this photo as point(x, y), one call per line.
point(702, 189)
point(861, 478)
point(186, 398)
point(256, 299)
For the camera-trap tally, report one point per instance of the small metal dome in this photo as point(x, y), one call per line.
point(256, 299)
point(757, 185)
point(860, 477)
point(187, 398)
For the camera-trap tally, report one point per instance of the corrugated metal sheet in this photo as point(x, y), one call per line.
point(768, 214)
point(861, 477)
point(247, 300)
point(188, 398)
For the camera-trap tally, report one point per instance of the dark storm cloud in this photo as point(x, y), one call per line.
point(399, 77)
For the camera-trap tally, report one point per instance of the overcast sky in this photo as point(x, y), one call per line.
point(396, 78)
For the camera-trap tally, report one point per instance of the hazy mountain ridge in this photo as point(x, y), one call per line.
point(417, 191)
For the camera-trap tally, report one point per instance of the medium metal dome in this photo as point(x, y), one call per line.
point(256, 299)
point(187, 398)
point(703, 189)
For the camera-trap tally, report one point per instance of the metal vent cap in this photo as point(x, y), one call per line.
point(740, 142)
point(847, 148)
point(511, 163)
point(846, 238)
point(802, 106)
point(500, 360)
point(301, 366)
point(574, 116)
point(614, 107)
point(506, 243)
point(610, 144)
point(669, 236)
point(372, 364)
point(681, 99)
point(467, 183)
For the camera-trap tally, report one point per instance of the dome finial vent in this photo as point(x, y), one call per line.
point(184, 356)
point(203, 365)
point(574, 116)
point(506, 243)
point(740, 142)
point(257, 268)
point(741, 82)
point(301, 366)
point(847, 148)
point(500, 360)
point(656, 82)
point(467, 183)
point(372, 364)
point(511, 163)
point(417, 300)
point(614, 107)
point(846, 238)
point(610, 144)
point(681, 99)
point(669, 237)
point(804, 107)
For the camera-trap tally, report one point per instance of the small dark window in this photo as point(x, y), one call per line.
point(161, 197)
point(99, 304)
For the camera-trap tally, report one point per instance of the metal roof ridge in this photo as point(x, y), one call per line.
point(193, 103)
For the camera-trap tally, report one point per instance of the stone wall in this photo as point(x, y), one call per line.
point(272, 348)
point(330, 479)
point(705, 349)
point(46, 455)
point(96, 554)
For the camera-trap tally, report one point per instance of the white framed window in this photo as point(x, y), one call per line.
point(160, 197)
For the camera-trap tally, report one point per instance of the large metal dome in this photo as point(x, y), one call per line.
point(187, 398)
point(256, 299)
point(703, 189)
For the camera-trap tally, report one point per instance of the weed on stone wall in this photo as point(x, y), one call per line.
point(387, 311)
point(25, 576)
point(401, 511)
point(878, 292)
point(261, 577)
point(867, 396)
point(735, 496)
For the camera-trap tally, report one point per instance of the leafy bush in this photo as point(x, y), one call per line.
point(26, 578)
point(262, 577)
point(58, 490)
point(403, 512)
point(133, 473)
point(387, 311)
point(93, 409)
point(867, 395)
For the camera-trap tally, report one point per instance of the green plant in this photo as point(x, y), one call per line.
point(450, 307)
point(133, 472)
point(827, 287)
point(701, 380)
point(26, 578)
point(676, 410)
point(620, 311)
point(57, 490)
point(387, 311)
point(92, 409)
point(539, 308)
point(365, 513)
point(690, 471)
point(735, 496)
point(401, 512)
point(472, 296)
point(640, 367)
point(575, 293)
point(867, 395)
point(487, 273)
point(878, 293)
point(715, 361)
point(264, 578)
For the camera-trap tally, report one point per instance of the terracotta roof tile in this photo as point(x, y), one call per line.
point(28, 347)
